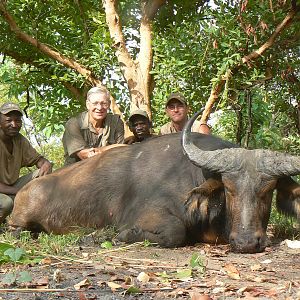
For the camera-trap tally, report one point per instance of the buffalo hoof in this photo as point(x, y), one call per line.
point(131, 235)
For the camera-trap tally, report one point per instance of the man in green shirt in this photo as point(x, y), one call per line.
point(140, 126)
point(86, 133)
point(15, 153)
point(177, 110)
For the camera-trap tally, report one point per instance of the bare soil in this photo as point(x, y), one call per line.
point(139, 272)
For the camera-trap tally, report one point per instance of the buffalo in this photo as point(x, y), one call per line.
point(213, 191)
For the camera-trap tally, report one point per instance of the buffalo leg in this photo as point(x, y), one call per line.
point(166, 234)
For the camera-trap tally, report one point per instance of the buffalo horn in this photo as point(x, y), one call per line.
point(277, 164)
point(269, 162)
point(222, 160)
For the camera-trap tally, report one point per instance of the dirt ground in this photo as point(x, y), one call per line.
point(138, 272)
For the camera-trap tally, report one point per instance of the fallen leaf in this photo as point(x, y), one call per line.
point(81, 284)
point(58, 276)
point(198, 296)
point(42, 282)
point(113, 286)
point(133, 290)
point(46, 261)
point(128, 280)
point(143, 277)
point(232, 271)
point(256, 267)
point(184, 274)
point(218, 290)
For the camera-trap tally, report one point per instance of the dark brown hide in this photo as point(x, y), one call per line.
point(151, 191)
point(288, 197)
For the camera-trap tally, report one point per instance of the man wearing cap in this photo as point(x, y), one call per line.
point(95, 128)
point(177, 110)
point(140, 126)
point(15, 153)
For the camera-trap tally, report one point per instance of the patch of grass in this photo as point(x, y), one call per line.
point(50, 244)
point(57, 244)
point(282, 226)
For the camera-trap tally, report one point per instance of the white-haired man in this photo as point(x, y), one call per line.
point(86, 133)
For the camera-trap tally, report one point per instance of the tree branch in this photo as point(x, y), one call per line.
point(152, 7)
point(246, 60)
point(270, 42)
point(77, 93)
point(54, 54)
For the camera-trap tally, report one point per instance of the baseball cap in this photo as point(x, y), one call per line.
point(139, 112)
point(177, 96)
point(9, 106)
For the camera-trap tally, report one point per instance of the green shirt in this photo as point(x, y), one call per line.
point(169, 128)
point(23, 155)
point(80, 134)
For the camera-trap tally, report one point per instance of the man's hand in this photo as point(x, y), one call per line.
point(45, 167)
point(86, 153)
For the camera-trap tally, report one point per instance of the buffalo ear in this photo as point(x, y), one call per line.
point(204, 202)
point(288, 197)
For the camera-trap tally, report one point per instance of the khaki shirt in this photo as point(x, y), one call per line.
point(80, 134)
point(23, 155)
point(169, 128)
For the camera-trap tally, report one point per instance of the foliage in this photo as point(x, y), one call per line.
point(15, 255)
point(283, 226)
point(194, 44)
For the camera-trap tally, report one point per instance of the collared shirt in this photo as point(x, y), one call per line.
point(23, 155)
point(80, 134)
point(169, 128)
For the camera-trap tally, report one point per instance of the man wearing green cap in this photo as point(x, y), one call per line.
point(140, 126)
point(15, 153)
point(177, 110)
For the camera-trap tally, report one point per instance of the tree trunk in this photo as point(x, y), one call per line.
point(136, 72)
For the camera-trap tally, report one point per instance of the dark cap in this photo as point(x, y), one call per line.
point(9, 106)
point(138, 112)
point(177, 96)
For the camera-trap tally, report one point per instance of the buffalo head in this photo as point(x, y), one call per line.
point(249, 178)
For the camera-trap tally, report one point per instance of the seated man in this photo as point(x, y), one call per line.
point(177, 110)
point(15, 153)
point(92, 129)
point(140, 126)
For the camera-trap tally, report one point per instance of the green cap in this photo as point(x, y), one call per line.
point(138, 112)
point(9, 106)
point(177, 96)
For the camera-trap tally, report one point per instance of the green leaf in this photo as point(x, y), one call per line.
point(4, 247)
point(184, 273)
point(106, 245)
point(24, 276)
point(14, 254)
point(133, 290)
point(196, 261)
point(147, 243)
point(9, 278)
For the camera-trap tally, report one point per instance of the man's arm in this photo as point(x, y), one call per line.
point(44, 166)
point(204, 128)
point(8, 189)
point(119, 134)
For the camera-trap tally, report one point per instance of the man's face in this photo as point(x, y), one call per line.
point(140, 127)
point(177, 111)
point(97, 105)
point(11, 123)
